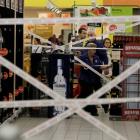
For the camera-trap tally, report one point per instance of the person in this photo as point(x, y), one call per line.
point(35, 47)
point(82, 34)
point(54, 39)
point(102, 54)
point(88, 80)
point(107, 44)
point(60, 40)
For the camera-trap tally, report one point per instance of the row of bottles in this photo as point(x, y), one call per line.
point(11, 39)
point(126, 39)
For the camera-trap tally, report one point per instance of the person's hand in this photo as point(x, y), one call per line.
point(105, 66)
point(106, 72)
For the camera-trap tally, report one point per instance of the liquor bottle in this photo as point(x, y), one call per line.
point(59, 86)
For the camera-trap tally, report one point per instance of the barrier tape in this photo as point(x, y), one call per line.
point(135, 67)
point(42, 46)
point(93, 70)
point(67, 103)
point(92, 48)
point(25, 76)
point(101, 126)
point(44, 40)
point(73, 48)
point(67, 113)
point(121, 137)
point(26, 134)
point(110, 19)
point(15, 115)
point(47, 124)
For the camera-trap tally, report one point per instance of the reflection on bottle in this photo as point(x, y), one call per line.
point(59, 86)
point(1, 41)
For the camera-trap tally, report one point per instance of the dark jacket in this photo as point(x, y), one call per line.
point(87, 75)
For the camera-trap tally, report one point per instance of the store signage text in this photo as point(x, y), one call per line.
point(129, 48)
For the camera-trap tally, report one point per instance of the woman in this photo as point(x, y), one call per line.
point(107, 44)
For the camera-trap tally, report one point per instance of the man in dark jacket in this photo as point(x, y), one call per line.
point(88, 80)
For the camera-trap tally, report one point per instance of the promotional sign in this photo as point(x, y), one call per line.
point(121, 2)
point(60, 78)
point(91, 11)
point(118, 27)
point(125, 11)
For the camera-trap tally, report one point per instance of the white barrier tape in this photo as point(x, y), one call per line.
point(42, 46)
point(92, 48)
point(47, 124)
point(110, 19)
point(135, 67)
point(92, 120)
point(45, 40)
point(116, 81)
point(93, 70)
point(39, 86)
point(15, 115)
point(69, 111)
point(73, 48)
point(63, 113)
point(37, 36)
point(30, 79)
point(67, 103)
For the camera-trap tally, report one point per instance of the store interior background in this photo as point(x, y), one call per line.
point(39, 9)
point(22, 45)
point(21, 52)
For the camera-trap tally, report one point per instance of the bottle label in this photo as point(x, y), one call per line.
point(59, 86)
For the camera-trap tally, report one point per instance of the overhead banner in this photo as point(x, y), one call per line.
point(119, 11)
point(121, 2)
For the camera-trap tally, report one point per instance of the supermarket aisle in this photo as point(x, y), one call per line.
point(77, 128)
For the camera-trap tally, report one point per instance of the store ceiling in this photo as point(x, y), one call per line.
point(59, 3)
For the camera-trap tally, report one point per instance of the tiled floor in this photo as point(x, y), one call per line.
point(77, 128)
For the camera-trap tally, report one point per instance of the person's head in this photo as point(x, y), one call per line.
point(82, 33)
point(60, 38)
point(107, 43)
point(91, 34)
point(70, 37)
point(37, 41)
point(91, 52)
